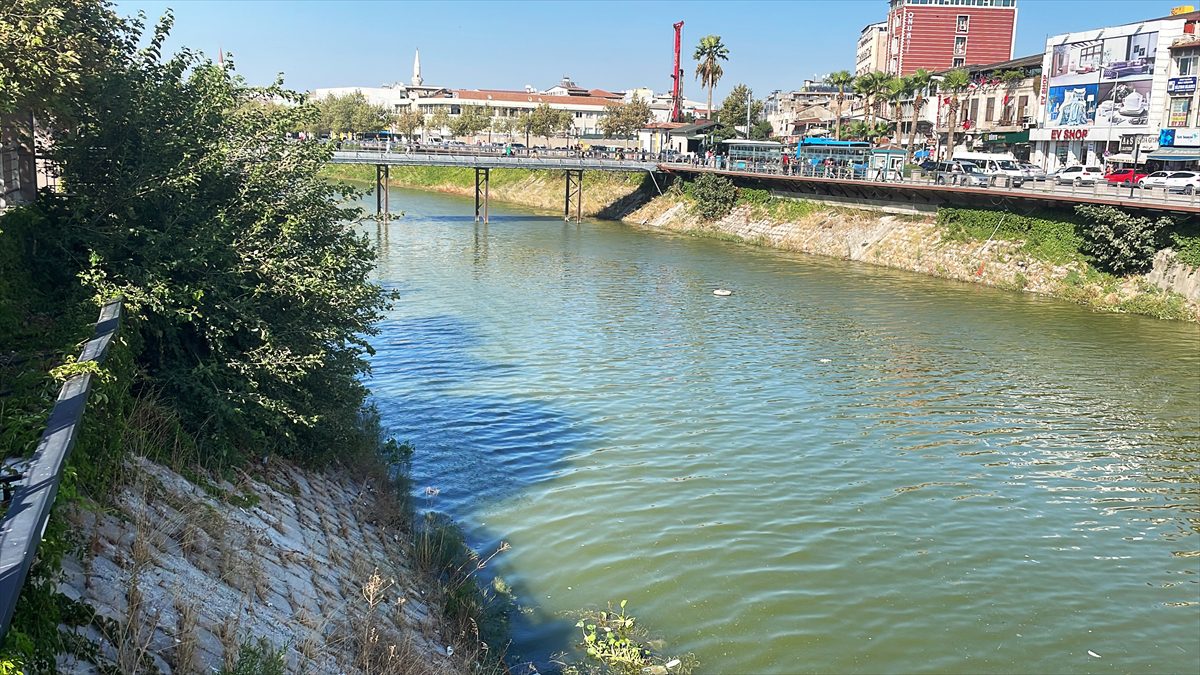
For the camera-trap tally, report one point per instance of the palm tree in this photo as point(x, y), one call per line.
point(841, 79)
point(954, 83)
point(709, 54)
point(919, 82)
point(870, 86)
point(896, 89)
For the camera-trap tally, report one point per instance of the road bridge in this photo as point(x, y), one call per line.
point(928, 194)
point(571, 164)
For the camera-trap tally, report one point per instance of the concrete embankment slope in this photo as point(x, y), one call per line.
point(188, 576)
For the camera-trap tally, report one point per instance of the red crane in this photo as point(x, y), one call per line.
point(677, 76)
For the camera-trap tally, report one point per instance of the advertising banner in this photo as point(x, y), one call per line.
point(1177, 115)
point(1105, 82)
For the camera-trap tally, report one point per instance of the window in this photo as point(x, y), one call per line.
point(974, 110)
point(1021, 104)
point(1187, 61)
point(960, 45)
point(958, 62)
point(991, 109)
point(963, 22)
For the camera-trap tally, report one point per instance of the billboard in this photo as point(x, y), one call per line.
point(1104, 82)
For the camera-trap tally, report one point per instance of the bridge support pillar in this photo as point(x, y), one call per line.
point(382, 178)
point(482, 188)
point(573, 195)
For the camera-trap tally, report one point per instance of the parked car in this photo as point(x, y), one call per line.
point(958, 172)
point(1033, 171)
point(1187, 182)
point(1158, 179)
point(1078, 175)
point(1124, 176)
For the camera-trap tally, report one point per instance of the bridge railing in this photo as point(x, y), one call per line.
point(489, 160)
point(1048, 187)
point(34, 488)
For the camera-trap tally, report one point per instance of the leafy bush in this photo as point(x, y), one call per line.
point(1187, 248)
point(1119, 242)
point(1049, 236)
point(714, 195)
point(615, 643)
point(753, 196)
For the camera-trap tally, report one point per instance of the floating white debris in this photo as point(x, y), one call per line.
point(722, 292)
point(1092, 653)
point(672, 663)
point(824, 360)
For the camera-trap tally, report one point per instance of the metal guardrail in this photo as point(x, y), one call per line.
point(24, 522)
point(488, 160)
point(1048, 188)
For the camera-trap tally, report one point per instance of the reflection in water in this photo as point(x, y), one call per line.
point(839, 468)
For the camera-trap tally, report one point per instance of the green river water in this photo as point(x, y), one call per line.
point(839, 469)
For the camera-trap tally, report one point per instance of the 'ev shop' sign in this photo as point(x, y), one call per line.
point(1068, 134)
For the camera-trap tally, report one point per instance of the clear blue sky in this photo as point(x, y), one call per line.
point(610, 45)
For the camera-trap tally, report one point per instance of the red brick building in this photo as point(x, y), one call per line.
point(941, 34)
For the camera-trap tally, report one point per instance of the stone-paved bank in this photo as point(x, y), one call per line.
point(182, 581)
point(916, 243)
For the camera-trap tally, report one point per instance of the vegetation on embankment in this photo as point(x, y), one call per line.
point(248, 298)
point(603, 191)
point(1095, 256)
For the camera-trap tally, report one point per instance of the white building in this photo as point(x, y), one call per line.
point(1105, 92)
point(871, 55)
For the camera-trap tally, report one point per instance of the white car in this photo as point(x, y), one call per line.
point(1158, 179)
point(1079, 175)
point(1186, 182)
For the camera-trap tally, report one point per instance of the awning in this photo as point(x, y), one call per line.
point(1176, 155)
point(1126, 158)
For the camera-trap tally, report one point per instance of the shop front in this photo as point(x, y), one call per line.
point(1015, 143)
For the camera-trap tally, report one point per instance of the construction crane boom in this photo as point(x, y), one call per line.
point(677, 77)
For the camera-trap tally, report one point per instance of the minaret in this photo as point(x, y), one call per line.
point(417, 69)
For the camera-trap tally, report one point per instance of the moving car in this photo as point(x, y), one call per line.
point(1124, 176)
point(958, 172)
point(1155, 180)
point(1187, 182)
point(1032, 171)
point(995, 164)
point(1078, 175)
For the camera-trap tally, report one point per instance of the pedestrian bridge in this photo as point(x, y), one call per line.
point(571, 165)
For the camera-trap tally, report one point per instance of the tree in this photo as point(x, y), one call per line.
point(348, 114)
point(471, 120)
point(546, 121)
point(733, 108)
point(896, 90)
point(953, 84)
point(871, 86)
point(920, 82)
point(624, 119)
point(48, 48)
point(840, 79)
point(438, 121)
point(761, 130)
point(407, 123)
point(523, 123)
point(709, 55)
point(251, 290)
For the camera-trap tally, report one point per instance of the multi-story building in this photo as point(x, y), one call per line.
point(871, 55)
point(1179, 137)
point(1108, 95)
point(996, 112)
point(939, 34)
point(790, 111)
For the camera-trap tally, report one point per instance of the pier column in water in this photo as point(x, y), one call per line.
point(482, 180)
point(382, 176)
point(573, 195)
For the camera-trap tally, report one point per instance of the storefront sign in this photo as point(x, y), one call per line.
point(1068, 134)
point(1181, 85)
point(1187, 138)
point(1177, 115)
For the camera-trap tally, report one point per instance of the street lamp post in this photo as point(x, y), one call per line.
point(1137, 146)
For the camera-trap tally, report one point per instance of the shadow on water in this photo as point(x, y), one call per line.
point(474, 449)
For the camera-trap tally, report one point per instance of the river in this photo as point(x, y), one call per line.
point(839, 469)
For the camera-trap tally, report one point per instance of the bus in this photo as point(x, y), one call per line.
point(747, 155)
point(823, 156)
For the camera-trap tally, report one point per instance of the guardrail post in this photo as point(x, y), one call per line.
point(482, 180)
point(573, 194)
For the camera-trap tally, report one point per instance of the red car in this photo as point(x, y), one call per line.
point(1124, 176)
